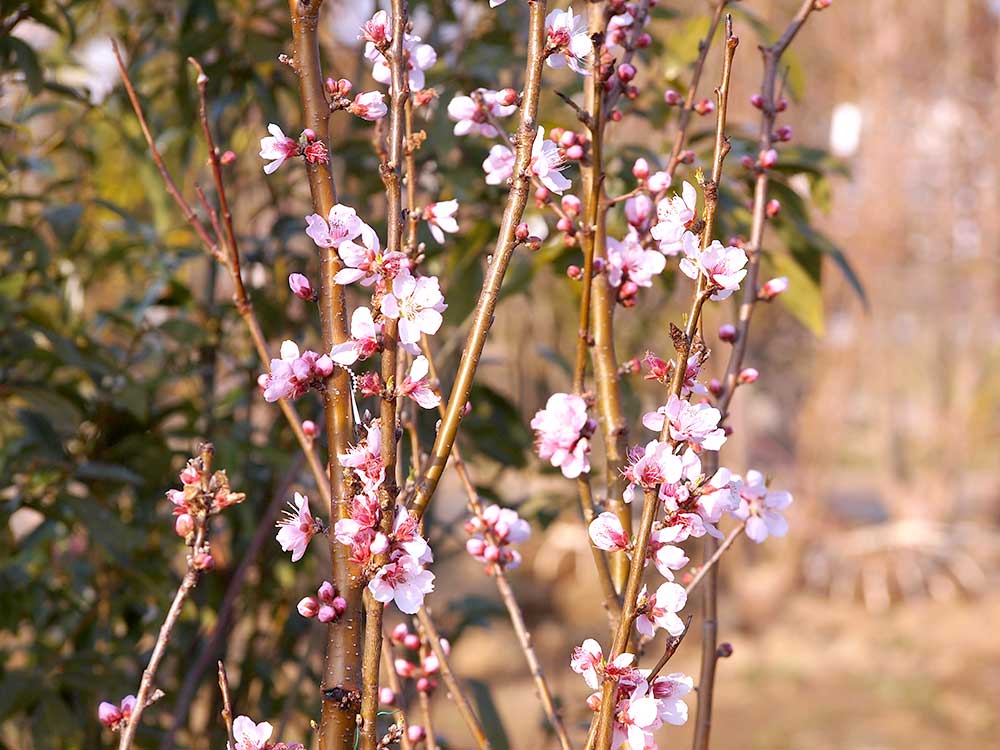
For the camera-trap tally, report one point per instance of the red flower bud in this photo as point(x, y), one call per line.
point(626, 72)
point(574, 152)
point(757, 101)
point(672, 98)
point(506, 97)
point(747, 375)
point(728, 332)
point(773, 208)
point(704, 107)
point(521, 233)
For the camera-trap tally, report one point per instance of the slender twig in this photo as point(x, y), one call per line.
point(433, 639)
point(399, 95)
point(709, 648)
point(651, 502)
point(424, 698)
point(397, 688)
point(483, 317)
point(227, 703)
point(228, 258)
point(507, 594)
point(710, 563)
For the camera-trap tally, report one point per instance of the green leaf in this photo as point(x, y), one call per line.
point(489, 716)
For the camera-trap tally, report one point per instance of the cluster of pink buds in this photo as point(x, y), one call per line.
point(493, 534)
point(573, 146)
point(414, 666)
point(368, 106)
point(327, 606)
point(199, 498)
point(115, 717)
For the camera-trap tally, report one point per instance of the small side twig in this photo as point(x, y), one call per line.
point(227, 703)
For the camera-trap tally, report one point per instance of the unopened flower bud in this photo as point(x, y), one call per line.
point(600, 265)
point(300, 286)
point(704, 107)
point(542, 194)
point(108, 714)
point(570, 205)
point(184, 525)
point(714, 387)
point(672, 98)
point(773, 288)
point(640, 169)
point(326, 613)
point(308, 607)
point(574, 272)
point(491, 553)
point(203, 561)
point(616, 115)
point(310, 428)
point(747, 375)
point(426, 685)
point(784, 133)
point(475, 547)
point(822, 4)
point(415, 732)
point(626, 72)
point(506, 97)
point(768, 158)
point(400, 632)
point(773, 208)
point(190, 476)
point(326, 592)
point(643, 41)
point(521, 233)
point(405, 668)
point(594, 702)
point(309, 134)
point(687, 157)
point(724, 651)
point(567, 139)
point(467, 409)
point(564, 225)
point(262, 380)
point(386, 696)
point(781, 105)
point(445, 646)
point(574, 152)
point(747, 162)
point(330, 85)
point(757, 101)
point(324, 366)
point(555, 134)
point(534, 244)
point(728, 332)
point(431, 664)
point(339, 605)
point(228, 157)
point(412, 641)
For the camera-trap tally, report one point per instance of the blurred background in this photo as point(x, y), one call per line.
point(871, 626)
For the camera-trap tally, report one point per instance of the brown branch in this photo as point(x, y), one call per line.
point(669, 649)
point(227, 704)
point(506, 243)
point(397, 688)
point(399, 96)
point(433, 639)
point(709, 649)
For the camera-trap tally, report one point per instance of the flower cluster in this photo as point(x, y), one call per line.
point(394, 561)
point(473, 115)
point(562, 433)
point(115, 717)
point(327, 606)
point(641, 705)
point(493, 534)
point(412, 665)
point(377, 34)
point(252, 736)
point(199, 498)
point(295, 373)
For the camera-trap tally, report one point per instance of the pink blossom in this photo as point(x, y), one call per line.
point(658, 182)
point(569, 39)
point(723, 267)
point(472, 114)
point(674, 217)
point(629, 261)
point(721, 494)
point(295, 373)
point(363, 342)
point(667, 557)
point(297, 527)
point(300, 286)
point(660, 610)
point(588, 661)
point(111, 715)
point(440, 218)
point(419, 57)
point(650, 467)
point(417, 304)
point(403, 581)
point(417, 385)
point(636, 717)
point(638, 211)
point(366, 458)
point(761, 508)
point(366, 262)
point(547, 162)
point(342, 224)
point(251, 736)
point(277, 147)
point(669, 690)
point(618, 27)
point(773, 288)
point(608, 534)
point(499, 165)
point(369, 106)
point(696, 424)
point(504, 526)
point(406, 534)
point(561, 431)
